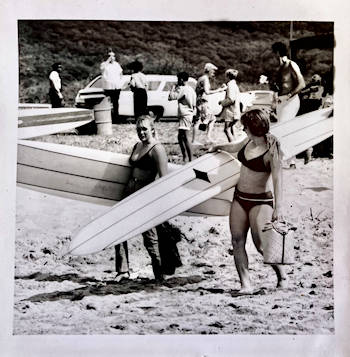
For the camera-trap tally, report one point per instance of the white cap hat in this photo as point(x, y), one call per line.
point(209, 66)
point(232, 71)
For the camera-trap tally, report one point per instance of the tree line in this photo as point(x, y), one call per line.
point(163, 47)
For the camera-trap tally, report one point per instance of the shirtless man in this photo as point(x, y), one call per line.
point(289, 83)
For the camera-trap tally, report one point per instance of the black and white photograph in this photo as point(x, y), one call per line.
point(172, 178)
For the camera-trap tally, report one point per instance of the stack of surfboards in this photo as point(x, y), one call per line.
point(203, 186)
point(40, 121)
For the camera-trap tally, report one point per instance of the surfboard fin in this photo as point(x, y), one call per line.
point(201, 175)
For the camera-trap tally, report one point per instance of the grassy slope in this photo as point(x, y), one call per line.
point(164, 47)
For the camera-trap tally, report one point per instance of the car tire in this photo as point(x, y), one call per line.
point(157, 110)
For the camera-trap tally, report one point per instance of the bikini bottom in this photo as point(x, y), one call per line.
point(250, 200)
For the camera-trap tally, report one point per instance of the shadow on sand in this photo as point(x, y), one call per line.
point(94, 287)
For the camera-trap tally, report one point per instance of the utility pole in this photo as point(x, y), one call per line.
point(290, 38)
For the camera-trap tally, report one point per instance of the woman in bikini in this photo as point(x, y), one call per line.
point(148, 159)
point(254, 204)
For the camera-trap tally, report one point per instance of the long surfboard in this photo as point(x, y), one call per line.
point(45, 121)
point(89, 175)
point(304, 131)
point(195, 183)
point(159, 201)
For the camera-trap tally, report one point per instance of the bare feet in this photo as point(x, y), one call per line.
point(122, 276)
point(246, 291)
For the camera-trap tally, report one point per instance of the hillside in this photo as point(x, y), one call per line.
point(163, 47)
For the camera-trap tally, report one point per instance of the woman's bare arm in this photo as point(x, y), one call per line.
point(160, 157)
point(232, 147)
point(276, 172)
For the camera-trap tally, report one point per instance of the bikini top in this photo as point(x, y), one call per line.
point(145, 162)
point(256, 164)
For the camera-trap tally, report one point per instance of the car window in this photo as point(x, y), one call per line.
point(169, 85)
point(97, 84)
point(153, 85)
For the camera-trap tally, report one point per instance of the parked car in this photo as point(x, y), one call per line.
point(158, 92)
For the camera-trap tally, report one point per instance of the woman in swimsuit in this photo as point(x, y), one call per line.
point(253, 204)
point(147, 159)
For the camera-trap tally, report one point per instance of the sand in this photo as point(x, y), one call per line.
point(70, 295)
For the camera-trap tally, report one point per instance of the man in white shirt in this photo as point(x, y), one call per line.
point(112, 82)
point(56, 97)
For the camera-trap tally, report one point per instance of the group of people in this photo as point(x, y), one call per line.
point(258, 193)
point(194, 112)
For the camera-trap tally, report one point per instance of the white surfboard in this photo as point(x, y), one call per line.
point(45, 121)
point(89, 175)
point(304, 131)
point(159, 201)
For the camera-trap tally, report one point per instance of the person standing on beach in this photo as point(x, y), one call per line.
point(55, 95)
point(138, 85)
point(258, 194)
point(203, 89)
point(311, 99)
point(290, 82)
point(186, 97)
point(112, 82)
point(311, 95)
point(231, 112)
point(149, 160)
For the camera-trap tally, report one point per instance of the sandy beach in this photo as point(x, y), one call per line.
point(69, 295)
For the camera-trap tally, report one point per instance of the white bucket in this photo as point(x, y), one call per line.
point(278, 244)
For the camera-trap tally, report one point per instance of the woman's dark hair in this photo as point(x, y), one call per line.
point(183, 75)
point(137, 66)
point(281, 48)
point(56, 65)
point(257, 121)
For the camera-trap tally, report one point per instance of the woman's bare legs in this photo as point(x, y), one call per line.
point(258, 217)
point(228, 131)
point(239, 226)
point(210, 131)
point(195, 134)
